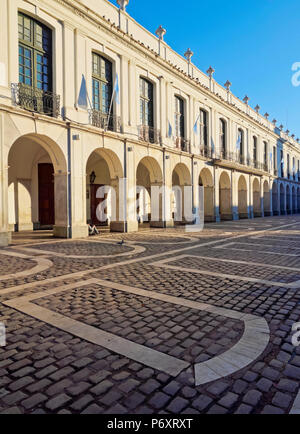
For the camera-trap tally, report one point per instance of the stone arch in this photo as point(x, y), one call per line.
point(181, 194)
point(37, 185)
point(288, 200)
point(225, 196)
point(207, 182)
point(267, 199)
point(275, 202)
point(243, 198)
point(282, 199)
point(294, 199)
point(149, 180)
point(256, 198)
point(104, 173)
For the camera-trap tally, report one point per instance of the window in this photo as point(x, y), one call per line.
point(282, 163)
point(146, 103)
point(294, 169)
point(102, 84)
point(255, 151)
point(274, 158)
point(241, 145)
point(35, 54)
point(288, 166)
point(179, 117)
point(222, 141)
point(266, 155)
point(203, 129)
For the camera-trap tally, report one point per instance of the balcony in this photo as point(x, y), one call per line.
point(182, 144)
point(36, 100)
point(105, 122)
point(240, 159)
point(149, 134)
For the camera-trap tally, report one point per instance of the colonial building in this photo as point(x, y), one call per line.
point(151, 119)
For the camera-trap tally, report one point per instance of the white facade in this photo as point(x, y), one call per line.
point(159, 153)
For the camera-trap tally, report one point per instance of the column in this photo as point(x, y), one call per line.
point(217, 195)
point(234, 195)
point(5, 234)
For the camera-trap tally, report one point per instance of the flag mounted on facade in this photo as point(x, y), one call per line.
point(212, 146)
point(238, 142)
point(170, 130)
point(271, 156)
point(83, 95)
point(117, 90)
point(195, 129)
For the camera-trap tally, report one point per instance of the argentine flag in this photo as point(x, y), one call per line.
point(117, 90)
point(83, 95)
point(238, 143)
point(170, 130)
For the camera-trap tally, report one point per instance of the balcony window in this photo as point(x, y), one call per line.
point(222, 137)
point(241, 146)
point(255, 151)
point(266, 156)
point(34, 90)
point(204, 132)
point(102, 84)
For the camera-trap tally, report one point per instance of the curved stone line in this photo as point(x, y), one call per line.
point(135, 250)
point(42, 265)
point(252, 344)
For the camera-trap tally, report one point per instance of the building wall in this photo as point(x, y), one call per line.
point(68, 141)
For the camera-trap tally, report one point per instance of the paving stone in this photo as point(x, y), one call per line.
point(282, 400)
point(218, 388)
point(264, 384)
point(149, 387)
point(177, 405)
point(34, 401)
point(244, 409)
point(134, 400)
point(82, 403)
point(172, 388)
point(58, 401)
point(252, 397)
point(229, 400)
point(101, 388)
point(93, 409)
point(159, 400)
point(270, 409)
point(202, 402)
point(288, 385)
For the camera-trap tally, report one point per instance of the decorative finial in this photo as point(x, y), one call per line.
point(188, 55)
point(227, 85)
point(246, 100)
point(297, 140)
point(293, 136)
point(267, 115)
point(257, 108)
point(281, 127)
point(160, 32)
point(210, 71)
point(123, 4)
point(274, 122)
point(287, 132)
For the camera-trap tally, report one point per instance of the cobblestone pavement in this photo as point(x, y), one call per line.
point(104, 327)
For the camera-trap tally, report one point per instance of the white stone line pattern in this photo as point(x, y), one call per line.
point(252, 344)
point(228, 246)
point(42, 265)
point(80, 274)
point(164, 264)
point(296, 406)
point(137, 352)
point(258, 245)
point(136, 250)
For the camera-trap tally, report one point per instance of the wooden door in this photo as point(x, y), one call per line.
point(46, 194)
point(95, 202)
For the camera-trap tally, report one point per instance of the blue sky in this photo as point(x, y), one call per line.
point(252, 43)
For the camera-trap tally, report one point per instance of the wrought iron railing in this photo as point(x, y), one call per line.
point(36, 100)
point(238, 158)
point(149, 134)
point(105, 121)
point(182, 143)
